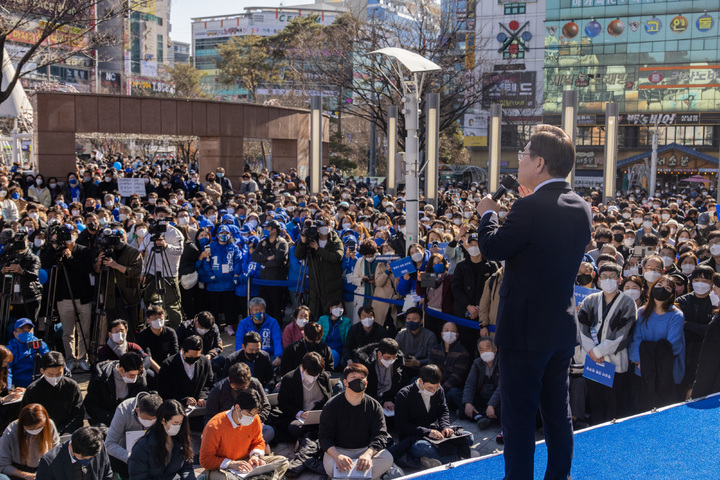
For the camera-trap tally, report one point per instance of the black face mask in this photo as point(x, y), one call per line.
point(599, 244)
point(661, 294)
point(618, 237)
point(664, 233)
point(358, 385)
point(251, 356)
point(191, 360)
point(584, 279)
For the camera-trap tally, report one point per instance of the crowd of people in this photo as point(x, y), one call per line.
point(139, 291)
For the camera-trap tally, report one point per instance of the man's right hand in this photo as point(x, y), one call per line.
point(470, 410)
point(240, 466)
point(412, 362)
point(344, 463)
point(160, 242)
point(435, 435)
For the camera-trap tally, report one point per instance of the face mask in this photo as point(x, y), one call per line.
point(253, 223)
point(25, 337)
point(632, 293)
point(52, 380)
point(258, 317)
point(439, 268)
point(129, 380)
point(448, 216)
point(425, 393)
point(701, 288)
point(367, 322)
point(157, 324)
point(715, 250)
point(630, 271)
point(251, 356)
point(458, 221)
point(246, 420)
point(667, 261)
point(637, 220)
point(687, 268)
point(103, 221)
point(660, 293)
point(33, 432)
point(651, 276)
point(608, 285)
point(647, 224)
point(219, 175)
point(38, 242)
point(146, 423)
point(346, 226)
point(184, 221)
point(224, 237)
point(337, 312)
point(417, 256)
point(323, 230)
point(173, 430)
point(15, 196)
point(141, 232)
point(301, 322)
point(665, 217)
point(191, 360)
point(386, 363)
point(449, 337)
point(118, 338)
point(202, 331)
point(474, 251)
point(629, 242)
point(212, 218)
point(358, 385)
point(487, 357)
point(714, 299)
point(502, 214)
point(204, 241)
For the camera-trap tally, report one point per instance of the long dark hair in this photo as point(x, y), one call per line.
point(667, 304)
point(169, 409)
point(6, 357)
point(34, 414)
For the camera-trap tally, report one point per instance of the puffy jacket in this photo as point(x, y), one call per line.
point(296, 268)
point(21, 369)
point(223, 268)
point(269, 333)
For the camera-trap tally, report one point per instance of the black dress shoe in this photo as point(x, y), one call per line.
point(499, 439)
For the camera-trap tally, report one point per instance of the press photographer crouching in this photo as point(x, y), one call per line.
point(22, 291)
point(119, 267)
point(66, 260)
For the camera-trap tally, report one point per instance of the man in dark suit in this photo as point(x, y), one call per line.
point(542, 242)
point(82, 457)
point(186, 376)
point(112, 382)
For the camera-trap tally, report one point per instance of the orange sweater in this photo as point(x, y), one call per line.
point(221, 441)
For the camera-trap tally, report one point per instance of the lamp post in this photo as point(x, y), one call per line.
point(432, 146)
point(391, 148)
point(494, 149)
point(315, 143)
point(411, 90)
point(611, 131)
point(569, 124)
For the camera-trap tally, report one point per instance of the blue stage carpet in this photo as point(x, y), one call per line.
point(682, 442)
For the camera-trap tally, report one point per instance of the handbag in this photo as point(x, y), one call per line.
point(189, 280)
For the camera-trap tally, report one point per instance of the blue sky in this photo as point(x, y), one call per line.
point(183, 10)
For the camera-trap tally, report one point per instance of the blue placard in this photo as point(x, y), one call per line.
point(387, 258)
point(582, 292)
point(402, 266)
point(603, 373)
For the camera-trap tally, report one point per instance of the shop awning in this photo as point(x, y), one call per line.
point(671, 146)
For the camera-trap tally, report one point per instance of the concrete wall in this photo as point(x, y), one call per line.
point(220, 128)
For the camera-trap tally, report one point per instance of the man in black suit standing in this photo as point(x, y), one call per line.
point(542, 242)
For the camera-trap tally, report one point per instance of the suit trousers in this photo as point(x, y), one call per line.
point(381, 462)
point(73, 336)
point(532, 380)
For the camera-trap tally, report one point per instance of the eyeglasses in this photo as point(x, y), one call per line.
point(522, 153)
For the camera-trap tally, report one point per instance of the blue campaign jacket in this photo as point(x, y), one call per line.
point(296, 268)
point(223, 258)
point(20, 370)
point(406, 286)
point(269, 331)
point(249, 269)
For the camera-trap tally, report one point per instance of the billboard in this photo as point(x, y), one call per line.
point(649, 56)
point(509, 89)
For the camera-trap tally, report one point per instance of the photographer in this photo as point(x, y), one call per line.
point(163, 248)
point(324, 249)
point(24, 267)
point(120, 268)
point(73, 299)
point(272, 254)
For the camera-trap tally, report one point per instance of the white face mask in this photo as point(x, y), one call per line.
point(184, 221)
point(687, 268)
point(157, 323)
point(337, 312)
point(487, 357)
point(632, 293)
point(502, 214)
point(682, 240)
point(417, 256)
point(367, 322)
point(467, 214)
point(714, 299)
point(346, 226)
point(665, 217)
point(715, 250)
point(146, 423)
point(474, 251)
point(173, 430)
point(246, 420)
point(651, 276)
point(386, 363)
point(608, 285)
point(457, 221)
point(129, 380)
point(323, 230)
point(202, 331)
point(301, 322)
point(701, 288)
point(118, 338)
point(647, 224)
point(52, 380)
point(626, 215)
point(141, 232)
point(668, 261)
point(637, 220)
point(33, 432)
point(630, 271)
point(449, 337)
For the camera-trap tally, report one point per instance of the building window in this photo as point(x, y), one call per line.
point(512, 56)
point(514, 8)
point(160, 49)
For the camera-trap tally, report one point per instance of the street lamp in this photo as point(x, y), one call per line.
point(411, 90)
point(569, 124)
point(391, 148)
point(611, 131)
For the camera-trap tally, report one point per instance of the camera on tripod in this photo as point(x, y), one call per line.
point(156, 228)
point(109, 240)
point(13, 242)
point(310, 230)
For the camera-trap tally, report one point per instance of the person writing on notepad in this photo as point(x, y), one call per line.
point(352, 430)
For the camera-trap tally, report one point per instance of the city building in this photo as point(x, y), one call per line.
point(659, 60)
point(180, 53)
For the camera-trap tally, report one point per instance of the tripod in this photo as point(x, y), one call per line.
point(97, 330)
point(158, 278)
point(6, 304)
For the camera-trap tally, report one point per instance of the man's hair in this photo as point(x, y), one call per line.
point(205, 319)
point(430, 374)
point(155, 310)
point(87, 441)
point(388, 346)
point(556, 147)
point(131, 361)
point(117, 322)
point(486, 339)
point(52, 360)
point(367, 309)
point(355, 368)
point(705, 272)
point(313, 331)
point(257, 301)
point(148, 403)
point(417, 310)
point(313, 363)
point(251, 337)
point(611, 267)
point(603, 233)
point(713, 234)
point(239, 374)
point(606, 257)
point(248, 399)
point(193, 342)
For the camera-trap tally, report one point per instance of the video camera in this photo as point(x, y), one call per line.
point(156, 228)
point(11, 243)
point(310, 230)
point(109, 240)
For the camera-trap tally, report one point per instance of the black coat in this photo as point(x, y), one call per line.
point(212, 343)
point(57, 465)
point(261, 367)
point(411, 417)
point(707, 380)
point(294, 353)
point(30, 286)
point(467, 284)
point(357, 338)
point(221, 399)
point(63, 402)
point(290, 397)
point(100, 399)
point(368, 357)
point(173, 382)
point(144, 463)
point(78, 267)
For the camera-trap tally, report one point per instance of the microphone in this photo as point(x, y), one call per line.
point(508, 182)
